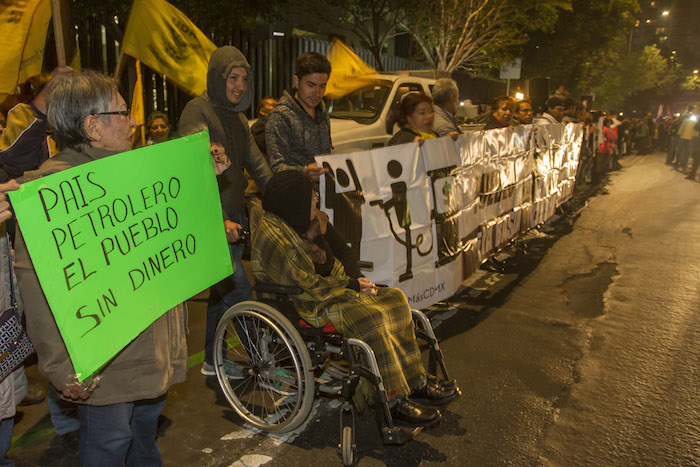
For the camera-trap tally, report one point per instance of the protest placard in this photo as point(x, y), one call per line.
point(119, 241)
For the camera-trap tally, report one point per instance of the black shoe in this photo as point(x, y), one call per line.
point(436, 394)
point(33, 398)
point(413, 414)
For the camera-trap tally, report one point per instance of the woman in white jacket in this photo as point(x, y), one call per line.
point(14, 387)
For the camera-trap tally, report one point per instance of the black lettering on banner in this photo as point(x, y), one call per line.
point(426, 294)
point(58, 242)
point(103, 211)
point(68, 275)
point(121, 203)
point(93, 183)
point(158, 191)
point(44, 194)
point(105, 304)
point(131, 206)
point(68, 195)
point(174, 185)
point(157, 264)
point(74, 235)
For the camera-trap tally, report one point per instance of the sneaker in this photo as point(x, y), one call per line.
point(232, 370)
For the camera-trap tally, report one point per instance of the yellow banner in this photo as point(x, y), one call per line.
point(23, 26)
point(137, 109)
point(348, 71)
point(163, 38)
point(33, 54)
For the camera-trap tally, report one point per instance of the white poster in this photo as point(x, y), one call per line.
point(424, 218)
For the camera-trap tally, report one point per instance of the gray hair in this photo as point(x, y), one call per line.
point(73, 98)
point(443, 89)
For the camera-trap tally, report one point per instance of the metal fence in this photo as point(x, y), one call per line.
point(272, 62)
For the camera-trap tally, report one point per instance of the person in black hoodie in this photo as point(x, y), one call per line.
point(220, 110)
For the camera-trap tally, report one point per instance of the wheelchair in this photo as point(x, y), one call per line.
point(271, 364)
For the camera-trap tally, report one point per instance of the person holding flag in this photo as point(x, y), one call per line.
point(220, 110)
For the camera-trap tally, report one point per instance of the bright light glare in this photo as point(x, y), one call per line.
point(462, 104)
point(519, 96)
point(693, 118)
point(665, 13)
point(620, 114)
point(695, 71)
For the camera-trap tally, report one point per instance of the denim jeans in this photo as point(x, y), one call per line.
point(672, 148)
point(223, 295)
point(64, 415)
point(6, 426)
point(685, 147)
point(120, 434)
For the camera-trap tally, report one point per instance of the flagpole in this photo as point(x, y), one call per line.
point(58, 32)
point(120, 66)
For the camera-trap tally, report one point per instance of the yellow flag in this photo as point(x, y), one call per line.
point(137, 108)
point(33, 54)
point(137, 111)
point(348, 71)
point(163, 38)
point(23, 26)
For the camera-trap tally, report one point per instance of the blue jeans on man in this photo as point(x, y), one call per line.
point(64, 414)
point(120, 434)
point(226, 293)
point(685, 148)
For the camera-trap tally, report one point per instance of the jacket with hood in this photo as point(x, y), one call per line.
point(144, 369)
point(293, 137)
point(228, 126)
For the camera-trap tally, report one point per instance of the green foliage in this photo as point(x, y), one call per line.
point(691, 83)
point(582, 45)
point(640, 71)
point(469, 34)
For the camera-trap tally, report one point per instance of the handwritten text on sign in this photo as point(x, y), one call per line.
point(119, 241)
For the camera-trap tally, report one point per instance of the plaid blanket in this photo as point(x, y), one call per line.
point(384, 322)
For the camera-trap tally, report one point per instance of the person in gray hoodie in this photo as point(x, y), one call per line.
point(220, 110)
point(298, 128)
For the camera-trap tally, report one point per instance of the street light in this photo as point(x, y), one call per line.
point(520, 96)
point(695, 71)
point(665, 13)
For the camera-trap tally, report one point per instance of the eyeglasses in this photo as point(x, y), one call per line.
point(123, 113)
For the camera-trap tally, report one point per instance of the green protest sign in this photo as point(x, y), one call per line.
point(121, 240)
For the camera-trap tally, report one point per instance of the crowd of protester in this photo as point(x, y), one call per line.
point(267, 175)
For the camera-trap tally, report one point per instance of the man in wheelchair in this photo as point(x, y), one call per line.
point(289, 251)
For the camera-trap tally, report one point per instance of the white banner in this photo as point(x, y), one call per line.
point(426, 217)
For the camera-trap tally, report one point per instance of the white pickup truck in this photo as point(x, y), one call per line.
point(363, 119)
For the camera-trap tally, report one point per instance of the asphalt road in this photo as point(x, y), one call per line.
point(582, 349)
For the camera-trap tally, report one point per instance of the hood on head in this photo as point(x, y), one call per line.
point(220, 64)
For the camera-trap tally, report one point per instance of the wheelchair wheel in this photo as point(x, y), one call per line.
point(263, 367)
point(347, 447)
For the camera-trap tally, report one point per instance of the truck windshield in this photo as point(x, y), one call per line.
point(363, 105)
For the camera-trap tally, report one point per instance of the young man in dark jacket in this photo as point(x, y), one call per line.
point(220, 110)
point(299, 129)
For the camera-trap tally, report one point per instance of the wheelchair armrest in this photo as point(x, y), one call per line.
point(265, 287)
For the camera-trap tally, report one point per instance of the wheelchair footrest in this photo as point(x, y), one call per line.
point(396, 436)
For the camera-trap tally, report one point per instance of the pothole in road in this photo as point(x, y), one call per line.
point(585, 291)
